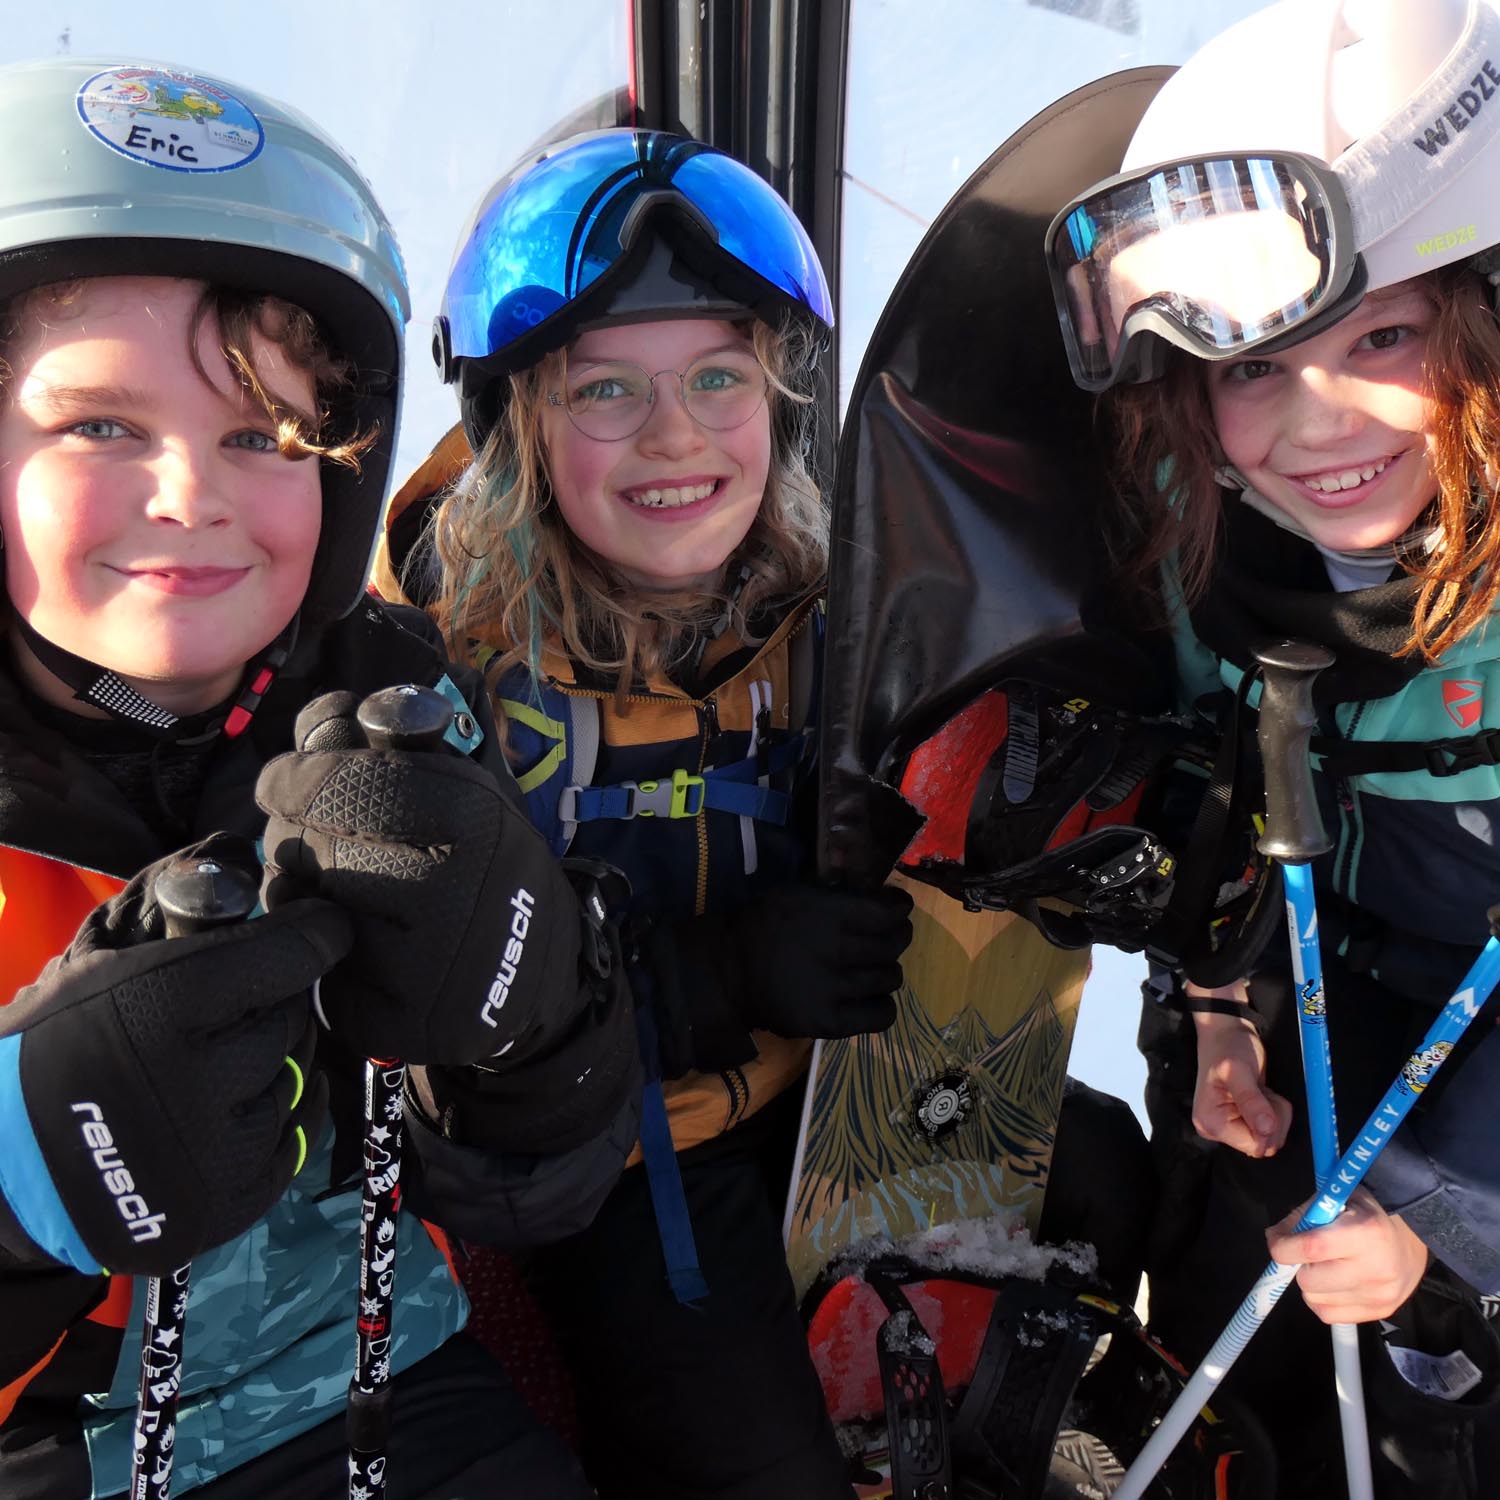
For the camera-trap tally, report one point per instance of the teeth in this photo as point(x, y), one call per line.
point(671, 499)
point(1329, 484)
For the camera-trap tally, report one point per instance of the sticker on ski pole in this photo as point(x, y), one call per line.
point(176, 121)
point(1420, 1066)
point(1310, 999)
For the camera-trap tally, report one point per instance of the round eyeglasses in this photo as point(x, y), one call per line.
point(612, 399)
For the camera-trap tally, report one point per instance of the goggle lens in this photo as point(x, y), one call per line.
point(553, 228)
point(1231, 252)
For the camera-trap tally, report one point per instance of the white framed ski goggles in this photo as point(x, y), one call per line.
point(1219, 255)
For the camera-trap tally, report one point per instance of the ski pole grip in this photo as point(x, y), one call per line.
point(1294, 826)
point(195, 894)
point(405, 718)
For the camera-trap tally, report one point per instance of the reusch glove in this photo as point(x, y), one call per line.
point(157, 1095)
point(467, 932)
point(801, 960)
point(562, 1098)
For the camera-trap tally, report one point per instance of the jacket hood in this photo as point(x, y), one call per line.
point(393, 576)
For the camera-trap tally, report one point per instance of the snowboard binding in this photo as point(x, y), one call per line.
point(1002, 1388)
point(1050, 805)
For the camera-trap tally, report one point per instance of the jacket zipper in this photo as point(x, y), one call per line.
point(710, 711)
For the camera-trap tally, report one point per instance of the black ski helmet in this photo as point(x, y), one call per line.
point(614, 226)
point(122, 169)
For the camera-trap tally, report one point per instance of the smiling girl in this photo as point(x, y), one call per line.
point(635, 554)
point(1310, 435)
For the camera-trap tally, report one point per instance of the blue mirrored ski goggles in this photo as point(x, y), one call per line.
point(551, 229)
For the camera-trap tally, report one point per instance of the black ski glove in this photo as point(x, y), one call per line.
point(801, 960)
point(467, 932)
point(565, 1096)
point(159, 1094)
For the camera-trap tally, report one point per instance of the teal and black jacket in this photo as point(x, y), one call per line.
point(1407, 769)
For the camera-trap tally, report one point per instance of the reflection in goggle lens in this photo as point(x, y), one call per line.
point(1231, 250)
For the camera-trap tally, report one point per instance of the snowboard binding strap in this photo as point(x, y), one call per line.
point(1034, 1354)
point(915, 1410)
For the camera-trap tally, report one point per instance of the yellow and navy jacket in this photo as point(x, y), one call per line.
point(700, 798)
point(270, 1314)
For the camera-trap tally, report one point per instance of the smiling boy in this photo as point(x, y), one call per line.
point(197, 402)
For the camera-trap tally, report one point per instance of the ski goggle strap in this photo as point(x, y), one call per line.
point(1218, 255)
point(551, 229)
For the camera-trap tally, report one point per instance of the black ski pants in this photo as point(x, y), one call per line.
point(719, 1399)
point(1209, 1247)
point(459, 1432)
point(1101, 1188)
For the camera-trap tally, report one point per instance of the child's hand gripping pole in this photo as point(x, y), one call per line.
point(1467, 1001)
point(192, 894)
point(396, 718)
point(1294, 836)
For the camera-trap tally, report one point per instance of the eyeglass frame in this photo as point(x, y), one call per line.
point(559, 398)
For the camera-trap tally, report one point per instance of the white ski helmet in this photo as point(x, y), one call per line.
point(1316, 150)
point(144, 169)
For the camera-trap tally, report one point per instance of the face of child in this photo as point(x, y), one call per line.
point(668, 504)
point(151, 525)
point(1334, 431)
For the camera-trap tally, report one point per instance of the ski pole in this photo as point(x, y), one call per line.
point(192, 894)
point(1294, 836)
point(1473, 990)
point(395, 718)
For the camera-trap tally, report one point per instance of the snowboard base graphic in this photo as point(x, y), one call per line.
point(950, 1114)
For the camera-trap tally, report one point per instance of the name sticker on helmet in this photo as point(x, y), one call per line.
point(171, 120)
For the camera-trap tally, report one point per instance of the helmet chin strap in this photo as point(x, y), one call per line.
point(104, 690)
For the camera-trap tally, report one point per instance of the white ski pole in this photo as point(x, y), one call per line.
point(1383, 1123)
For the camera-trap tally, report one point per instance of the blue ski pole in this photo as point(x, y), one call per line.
point(1415, 1075)
point(1294, 836)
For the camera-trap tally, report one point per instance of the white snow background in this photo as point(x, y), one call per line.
point(435, 101)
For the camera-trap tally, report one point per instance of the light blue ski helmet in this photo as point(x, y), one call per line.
point(143, 169)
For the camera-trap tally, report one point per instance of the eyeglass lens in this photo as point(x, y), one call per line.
point(614, 399)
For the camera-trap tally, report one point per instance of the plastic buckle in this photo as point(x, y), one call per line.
point(1142, 872)
point(661, 799)
point(1453, 757)
point(684, 783)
